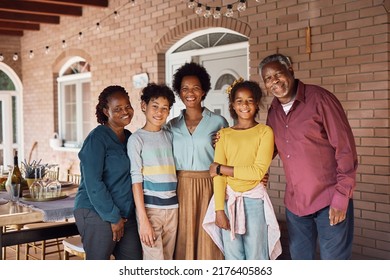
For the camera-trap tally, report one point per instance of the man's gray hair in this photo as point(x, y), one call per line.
point(285, 60)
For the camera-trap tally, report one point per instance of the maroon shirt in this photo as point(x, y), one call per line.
point(315, 142)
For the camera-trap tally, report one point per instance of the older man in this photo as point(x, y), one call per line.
point(315, 143)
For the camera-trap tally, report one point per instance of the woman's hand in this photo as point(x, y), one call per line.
point(118, 229)
point(221, 220)
point(146, 232)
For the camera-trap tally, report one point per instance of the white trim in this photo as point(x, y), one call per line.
point(19, 108)
point(69, 63)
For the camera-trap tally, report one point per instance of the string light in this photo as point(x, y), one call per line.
point(206, 10)
point(229, 11)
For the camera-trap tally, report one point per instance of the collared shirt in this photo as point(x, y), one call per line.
point(195, 151)
point(317, 148)
point(105, 185)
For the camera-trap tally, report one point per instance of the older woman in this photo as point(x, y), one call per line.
point(193, 150)
point(104, 205)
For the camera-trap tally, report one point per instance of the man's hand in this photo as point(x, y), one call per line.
point(118, 229)
point(215, 139)
point(336, 216)
point(264, 181)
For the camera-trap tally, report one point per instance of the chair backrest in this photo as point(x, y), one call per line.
point(53, 174)
point(75, 178)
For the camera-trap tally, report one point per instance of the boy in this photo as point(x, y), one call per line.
point(153, 175)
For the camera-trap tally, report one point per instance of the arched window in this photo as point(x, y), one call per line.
point(74, 101)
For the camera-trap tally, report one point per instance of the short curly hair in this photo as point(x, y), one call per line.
point(253, 87)
point(153, 90)
point(192, 69)
point(104, 98)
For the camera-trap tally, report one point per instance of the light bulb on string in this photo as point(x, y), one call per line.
point(64, 45)
point(241, 7)
point(31, 54)
point(191, 4)
point(98, 26)
point(199, 9)
point(133, 3)
point(229, 11)
point(15, 57)
point(207, 13)
point(116, 15)
point(217, 13)
point(1, 57)
point(80, 35)
point(47, 49)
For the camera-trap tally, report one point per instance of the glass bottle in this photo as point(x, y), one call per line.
point(14, 176)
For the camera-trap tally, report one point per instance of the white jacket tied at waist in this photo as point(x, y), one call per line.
point(235, 204)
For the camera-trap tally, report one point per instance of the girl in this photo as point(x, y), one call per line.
point(243, 155)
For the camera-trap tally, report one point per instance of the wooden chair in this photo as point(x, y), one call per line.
point(73, 247)
point(75, 178)
point(15, 248)
point(53, 174)
point(43, 246)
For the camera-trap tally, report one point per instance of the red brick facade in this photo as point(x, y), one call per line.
point(349, 56)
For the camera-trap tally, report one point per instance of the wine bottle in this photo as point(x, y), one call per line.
point(14, 176)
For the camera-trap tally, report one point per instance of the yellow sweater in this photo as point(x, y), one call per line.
point(250, 152)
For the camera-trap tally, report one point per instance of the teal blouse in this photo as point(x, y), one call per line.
point(105, 185)
point(195, 151)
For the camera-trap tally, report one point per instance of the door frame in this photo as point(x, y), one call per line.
point(18, 93)
point(186, 56)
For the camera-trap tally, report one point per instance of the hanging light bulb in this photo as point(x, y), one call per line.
point(199, 9)
point(47, 49)
point(64, 45)
point(229, 11)
point(98, 26)
point(80, 35)
point(31, 54)
point(217, 13)
point(241, 7)
point(15, 57)
point(116, 15)
point(133, 3)
point(207, 13)
point(1, 57)
point(191, 4)
point(258, 1)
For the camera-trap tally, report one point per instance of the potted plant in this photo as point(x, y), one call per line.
point(35, 170)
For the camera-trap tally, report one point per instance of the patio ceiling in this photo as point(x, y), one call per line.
point(16, 16)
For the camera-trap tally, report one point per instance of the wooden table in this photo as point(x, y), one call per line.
point(18, 214)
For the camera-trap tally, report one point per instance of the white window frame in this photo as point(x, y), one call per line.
point(78, 80)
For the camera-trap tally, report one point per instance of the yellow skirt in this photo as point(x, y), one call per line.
point(194, 191)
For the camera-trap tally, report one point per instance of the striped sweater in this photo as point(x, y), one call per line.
point(152, 164)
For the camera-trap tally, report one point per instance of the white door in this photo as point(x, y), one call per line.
point(223, 68)
point(6, 129)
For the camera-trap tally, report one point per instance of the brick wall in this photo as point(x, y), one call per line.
point(349, 56)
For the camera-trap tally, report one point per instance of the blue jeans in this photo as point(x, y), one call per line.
point(253, 245)
point(335, 242)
